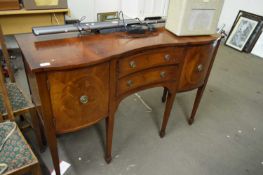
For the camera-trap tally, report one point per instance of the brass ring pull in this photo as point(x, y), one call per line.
point(167, 57)
point(162, 74)
point(133, 64)
point(129, 83)
point(84, 99)
point(200, 68)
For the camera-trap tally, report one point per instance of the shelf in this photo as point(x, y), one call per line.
point(25, 12)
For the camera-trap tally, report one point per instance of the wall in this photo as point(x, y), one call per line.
point(90, 8)
point(132, 8)
point(135, 8)
point(79, 8)
point(107, 5)
point(231, 8)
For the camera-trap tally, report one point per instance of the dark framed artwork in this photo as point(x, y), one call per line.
point(245, 31)
point(258, 48)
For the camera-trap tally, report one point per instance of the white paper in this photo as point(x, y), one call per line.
point(258, 48)
point(63, 168)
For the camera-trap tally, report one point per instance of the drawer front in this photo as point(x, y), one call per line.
point(197, 61)
point(148, 59)
point(147, 77)
point(79, 97)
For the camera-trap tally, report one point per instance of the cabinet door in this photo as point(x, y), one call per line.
point(196, 64)
point(79, 97)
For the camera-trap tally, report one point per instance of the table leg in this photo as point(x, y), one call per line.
point(52, 143)
point(168, 108)
point(37, 129)
point(109, 137)
point(48, 119)
point(198, 98)
point(165, 91)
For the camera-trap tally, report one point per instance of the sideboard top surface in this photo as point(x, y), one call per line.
point(74, 52)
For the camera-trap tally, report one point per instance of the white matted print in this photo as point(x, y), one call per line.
point(241, 33)
point(258, 48)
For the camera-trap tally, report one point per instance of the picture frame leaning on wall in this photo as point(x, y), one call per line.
point(245, 31)
point(258, 48)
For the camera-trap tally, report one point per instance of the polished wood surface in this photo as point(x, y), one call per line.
point(89, 50)
point(150, 58)
point(147, 77)
point(195, 74)
point(196, 64)
point(91, 83)
point(78, 81)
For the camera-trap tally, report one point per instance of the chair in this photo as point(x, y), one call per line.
point(18, 100)
point(16, 156)
point(12, 103)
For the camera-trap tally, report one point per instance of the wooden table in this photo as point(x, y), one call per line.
point(22, 21)
point(79, 81)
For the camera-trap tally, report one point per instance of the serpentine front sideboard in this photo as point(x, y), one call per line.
point(76, 82)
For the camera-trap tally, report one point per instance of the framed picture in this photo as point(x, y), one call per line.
point(255, 35)
point(241, 33)
point(257, 32)
point(258, 49)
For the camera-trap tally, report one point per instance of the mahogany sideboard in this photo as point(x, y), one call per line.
point(76, 82)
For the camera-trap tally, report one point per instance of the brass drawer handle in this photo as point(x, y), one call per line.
point(129, 83)
point(133, 64)
point(84, 99)
point(167, 57)
point(162, 74)
point(200, 68)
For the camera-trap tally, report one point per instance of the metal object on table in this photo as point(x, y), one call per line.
point(91, 26)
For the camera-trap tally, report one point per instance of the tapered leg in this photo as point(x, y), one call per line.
point(52, 144)
point(37, 129)
point(198, 98)
point(48, 119)
point(165, 91)
point(109, 136)
point(168, 108)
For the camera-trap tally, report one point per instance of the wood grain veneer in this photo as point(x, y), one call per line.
point(83, 79)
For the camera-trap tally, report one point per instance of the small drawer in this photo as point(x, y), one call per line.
point(147, 77)
point(148, 59)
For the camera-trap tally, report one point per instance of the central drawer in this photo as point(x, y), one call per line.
point(148, 59)
point(148, 77)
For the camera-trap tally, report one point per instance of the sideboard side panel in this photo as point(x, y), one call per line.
point(196, 65)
